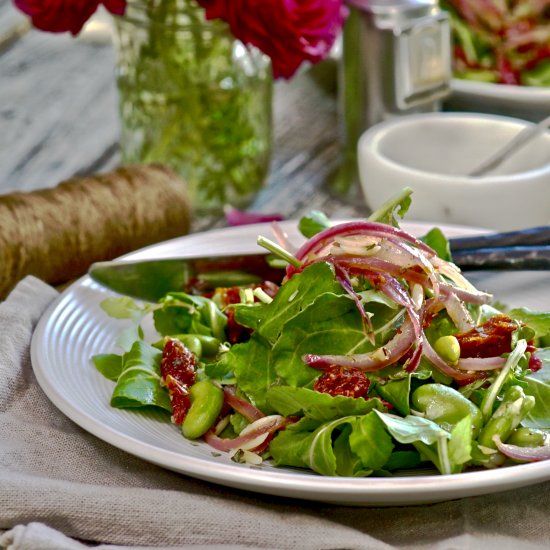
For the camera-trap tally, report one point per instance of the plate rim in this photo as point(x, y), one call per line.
point(487, 90)
point(368, 491)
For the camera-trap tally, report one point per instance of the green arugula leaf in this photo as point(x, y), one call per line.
point(291, 446)
point(397, 392)
point(403, 460)
point(182, 313)
point(123, 307)
point(437, 240)
point(251, 362)
point(108, 364)
point(350, 446)
point(291, 299)
point(394, 208)
point(538, 385)
point(539, 321)
point(370, 441)
point(313, 223)
point(348, 464)
point(331, 324)
point(460, 445)
point(412, 428)
point(290, 401)
point(139, 382)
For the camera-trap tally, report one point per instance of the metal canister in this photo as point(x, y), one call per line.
point(395, 60)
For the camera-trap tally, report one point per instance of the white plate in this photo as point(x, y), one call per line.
point(74, 328)
point(529, 102)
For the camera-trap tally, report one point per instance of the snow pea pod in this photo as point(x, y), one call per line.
point(206, 405)
point(445, 406)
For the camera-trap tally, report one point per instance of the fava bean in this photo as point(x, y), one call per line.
point(199, 344)
point(448, 348)
point(514, 407)
point(210, 344)
point(446, 406)
point(527, 437)
point(206, 405)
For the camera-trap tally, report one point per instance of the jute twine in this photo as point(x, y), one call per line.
point(55, 234)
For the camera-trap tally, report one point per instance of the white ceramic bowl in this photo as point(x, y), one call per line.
point(431, 153)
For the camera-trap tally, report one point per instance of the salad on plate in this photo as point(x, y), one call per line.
point(503, 42)
point(373, 356)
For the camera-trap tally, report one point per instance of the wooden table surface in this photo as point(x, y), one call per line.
point(59, 119)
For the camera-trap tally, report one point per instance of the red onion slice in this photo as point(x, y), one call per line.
point(249, 411)
point(388, 354)
point(393, 289)
point(481, 363)
point(373, 229)
point(457, 312)
point(472, 297)
point(344, 280)
point(251, 437)
point(524, 454)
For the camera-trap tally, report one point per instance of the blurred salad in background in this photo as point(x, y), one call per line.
point(501, 41)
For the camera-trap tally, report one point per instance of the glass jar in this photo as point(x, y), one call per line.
point(194, 98)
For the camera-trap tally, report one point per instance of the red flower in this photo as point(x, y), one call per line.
point(65, 15)
point(288, 31)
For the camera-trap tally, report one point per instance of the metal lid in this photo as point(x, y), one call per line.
point(391, 13)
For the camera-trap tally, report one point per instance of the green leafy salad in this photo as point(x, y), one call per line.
point(501, 41)
point(372, 355)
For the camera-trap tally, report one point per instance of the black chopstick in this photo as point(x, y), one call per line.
point(533, 236)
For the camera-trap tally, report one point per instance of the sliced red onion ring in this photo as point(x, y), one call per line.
point(251, 437)
point(388, 354)
point(453, 273)
point(344, 280)
point(457, 312)
point(375, 229)
point(249, 411)
point(412, 364)
point(481, 363)
point(472, 297)
point(525, 454)
point(393, 289)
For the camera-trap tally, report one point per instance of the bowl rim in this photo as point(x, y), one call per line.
point(375, 133)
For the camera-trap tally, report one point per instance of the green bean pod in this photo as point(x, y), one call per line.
point(206, 405)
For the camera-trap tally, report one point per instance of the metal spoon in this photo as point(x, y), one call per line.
point(519, 141)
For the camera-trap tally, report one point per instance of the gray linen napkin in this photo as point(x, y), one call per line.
point(60, 485)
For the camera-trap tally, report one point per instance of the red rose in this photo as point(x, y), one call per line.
point(288, 31)
point(65, 15)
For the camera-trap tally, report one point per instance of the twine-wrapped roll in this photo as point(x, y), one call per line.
point(55, 234)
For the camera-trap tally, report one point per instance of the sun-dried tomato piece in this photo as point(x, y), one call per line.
point(178, 361)
point(347, 381)
point(179, 399)
point(488, 340)
point(177, 368)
